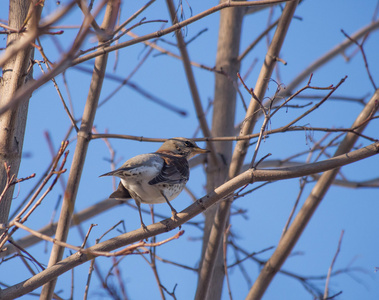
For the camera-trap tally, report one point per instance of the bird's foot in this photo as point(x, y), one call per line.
point(144, 227)
point(175, 217)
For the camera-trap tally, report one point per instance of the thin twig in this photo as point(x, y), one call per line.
point(225, 246)
point(193, 210)
point(126, 251)
point(47, 178)
point(326, 292)
point(73, 122)
point(360, 46)
point(176, 27)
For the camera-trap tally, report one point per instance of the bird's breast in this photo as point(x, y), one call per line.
point(146, 193)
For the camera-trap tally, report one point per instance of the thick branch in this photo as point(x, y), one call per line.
point(288, 242)
point(177, 26)
point(190, 212)
point(223, 119)
point(222, 214)
point(15, 76)
point(81, 149)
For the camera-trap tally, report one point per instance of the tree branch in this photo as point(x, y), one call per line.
point(289, 240)
point(190, 212)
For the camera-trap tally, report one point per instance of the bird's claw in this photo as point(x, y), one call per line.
point(174, 217)
point(144, 227)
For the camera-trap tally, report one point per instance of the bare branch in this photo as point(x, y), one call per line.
point(188, 213)
point(289, 240)
point(326, 292)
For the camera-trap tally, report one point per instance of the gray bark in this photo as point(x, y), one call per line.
point(80, 150)
point(15, 76)
point(223, 119)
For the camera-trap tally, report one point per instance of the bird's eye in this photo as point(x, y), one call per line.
point(188, 144)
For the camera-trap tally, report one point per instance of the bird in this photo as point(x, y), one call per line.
point(156, 177)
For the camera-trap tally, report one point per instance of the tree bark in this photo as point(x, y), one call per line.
point(223, 120)
point(81, 149)
point(16, 74)
point(290, 238)
point(212, 257)
point(190, 212)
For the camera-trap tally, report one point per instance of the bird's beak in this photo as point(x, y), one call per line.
point(199, 150)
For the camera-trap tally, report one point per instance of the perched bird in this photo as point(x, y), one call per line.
point(156, 177)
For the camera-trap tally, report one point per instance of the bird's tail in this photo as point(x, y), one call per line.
point(121, 192)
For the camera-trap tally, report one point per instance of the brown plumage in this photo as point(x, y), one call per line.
point(156, 177)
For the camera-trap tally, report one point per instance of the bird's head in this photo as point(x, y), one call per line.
point(182, 146)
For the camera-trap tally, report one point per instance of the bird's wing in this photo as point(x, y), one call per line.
point(175, 170)
point(136, 165)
